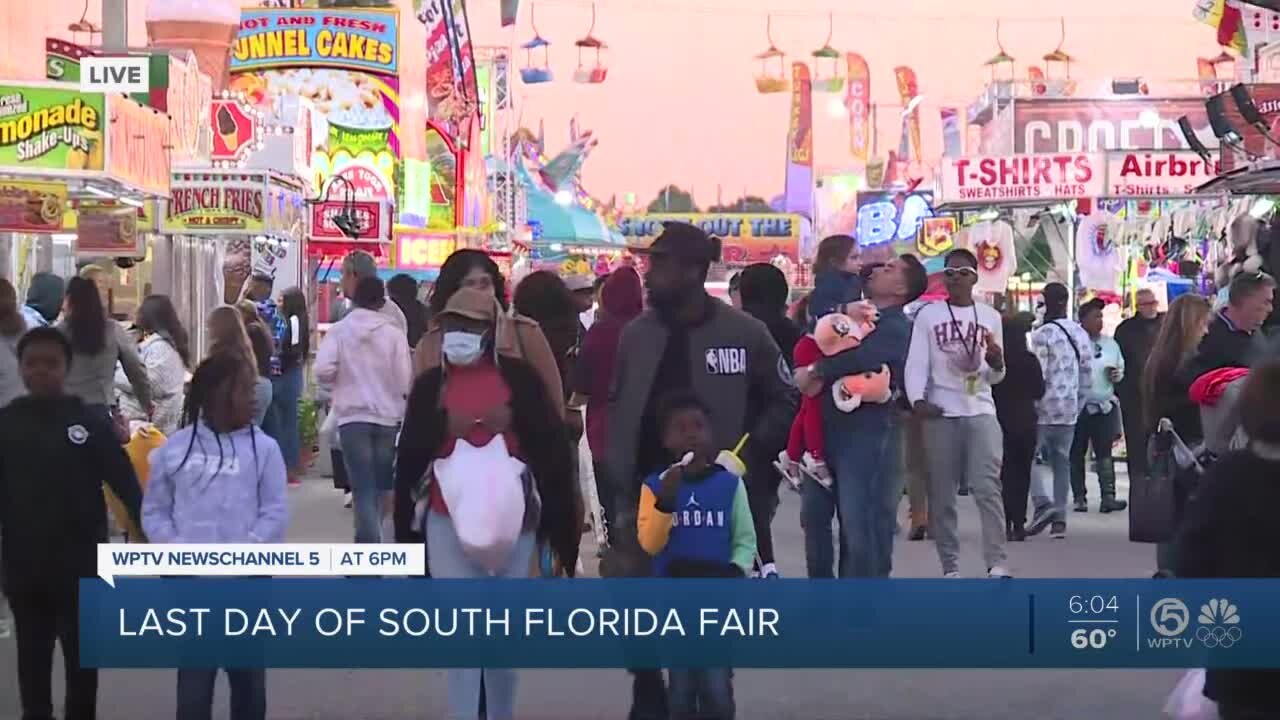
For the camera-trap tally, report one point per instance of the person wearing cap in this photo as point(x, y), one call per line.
point(364, 363)
point(494, 406)
point(687, 340)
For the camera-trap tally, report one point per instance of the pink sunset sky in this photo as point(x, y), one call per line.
point(679, 104)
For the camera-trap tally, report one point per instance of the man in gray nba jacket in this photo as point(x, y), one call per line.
point(686, 339)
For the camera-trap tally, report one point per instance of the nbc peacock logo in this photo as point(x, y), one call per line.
point(1219, 621)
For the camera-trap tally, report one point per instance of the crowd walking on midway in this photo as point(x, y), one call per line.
point(873, 388)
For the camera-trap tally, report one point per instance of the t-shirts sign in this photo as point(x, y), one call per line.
point(1064, 176)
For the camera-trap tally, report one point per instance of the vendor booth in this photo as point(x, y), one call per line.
point(77, 172)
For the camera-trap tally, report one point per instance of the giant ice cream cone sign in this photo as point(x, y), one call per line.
point(206, 27)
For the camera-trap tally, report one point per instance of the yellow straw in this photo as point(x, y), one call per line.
point(741, 442)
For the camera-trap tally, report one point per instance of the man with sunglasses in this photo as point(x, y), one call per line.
point(1099, 422)
point(956, 356)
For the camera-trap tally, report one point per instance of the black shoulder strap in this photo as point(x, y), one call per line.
point(1070, 341)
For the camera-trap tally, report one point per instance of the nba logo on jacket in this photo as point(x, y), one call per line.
point(726, 361)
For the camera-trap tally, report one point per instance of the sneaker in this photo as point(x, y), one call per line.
point(1058, 531)
point(769, 571)
point(951, 574)
point(1017, 533)
point(789, 470)
point(1082, 505)
point(295, 481)
point(816, 470)
point(346, 499)
point(963, 491)
point(1163, 575)
point(1112, 505)
point(917, 533)
point(1041, 520)
point(999, 572)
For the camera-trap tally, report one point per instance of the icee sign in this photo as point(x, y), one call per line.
point(1013, 178)
point(115, 75)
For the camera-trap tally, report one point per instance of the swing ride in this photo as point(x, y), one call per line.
point(1001, 59)
point(595, 74)
point(830, 81)
point(768, 82)
point(531, 73)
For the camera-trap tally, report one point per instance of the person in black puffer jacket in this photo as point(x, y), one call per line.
point(1228, 532)
point(764, 292)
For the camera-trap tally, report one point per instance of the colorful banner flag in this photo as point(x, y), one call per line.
point(952, 143)
point(440, 71)
point(857, 101)
point(799, 187)
point(908, 90)
point(464, 70)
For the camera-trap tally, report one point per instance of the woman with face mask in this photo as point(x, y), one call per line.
point(513, 335)
point(484, 471)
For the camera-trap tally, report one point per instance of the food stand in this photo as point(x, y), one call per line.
point(77, 171)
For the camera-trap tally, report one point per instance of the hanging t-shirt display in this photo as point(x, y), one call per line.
point(992, 243)
point(1097, 256)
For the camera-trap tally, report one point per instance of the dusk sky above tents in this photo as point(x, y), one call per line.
point(679, 104)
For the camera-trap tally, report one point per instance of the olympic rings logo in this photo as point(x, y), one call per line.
point(1218, 636)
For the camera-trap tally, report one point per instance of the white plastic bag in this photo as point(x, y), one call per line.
point(484, 491)
point(1187, 701)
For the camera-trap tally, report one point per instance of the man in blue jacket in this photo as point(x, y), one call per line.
point(864, 446)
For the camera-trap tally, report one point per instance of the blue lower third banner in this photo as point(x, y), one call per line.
point(404, 623)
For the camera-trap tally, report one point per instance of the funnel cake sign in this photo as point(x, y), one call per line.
point(362, 40)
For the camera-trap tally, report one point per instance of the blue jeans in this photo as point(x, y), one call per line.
point(867, 466)
point(369, 452)
point(817, 512)
point(447, 560)
point(248, 694)
point(1055, 447)
point(286, 391)
point(701, 694)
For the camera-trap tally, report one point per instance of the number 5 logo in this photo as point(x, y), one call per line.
point(1170, 617)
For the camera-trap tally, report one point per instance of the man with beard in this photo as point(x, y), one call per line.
point(687, 340)
point(1136, 336)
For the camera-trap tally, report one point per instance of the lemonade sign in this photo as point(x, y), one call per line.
point(51, 129)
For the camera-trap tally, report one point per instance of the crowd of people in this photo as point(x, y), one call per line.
point(859, 394)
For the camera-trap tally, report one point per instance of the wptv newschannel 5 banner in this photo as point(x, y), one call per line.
point(374, 610)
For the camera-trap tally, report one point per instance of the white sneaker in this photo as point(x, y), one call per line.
point(999, 572)
point(816, 470)
point(346, 499)
point(769, 571)
point(951, 575)
point(789, 470)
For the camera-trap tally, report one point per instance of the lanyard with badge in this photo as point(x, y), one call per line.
point(970, 380)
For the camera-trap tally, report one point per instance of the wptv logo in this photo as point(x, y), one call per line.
point(1218, 625)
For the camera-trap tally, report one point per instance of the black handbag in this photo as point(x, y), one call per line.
point(1156, 501)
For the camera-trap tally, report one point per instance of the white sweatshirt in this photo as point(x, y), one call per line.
point(948, 347)
point(364, 363)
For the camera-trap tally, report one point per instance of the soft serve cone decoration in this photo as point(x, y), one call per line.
point(206, 27)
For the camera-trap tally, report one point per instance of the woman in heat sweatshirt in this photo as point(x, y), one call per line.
point(364, 363)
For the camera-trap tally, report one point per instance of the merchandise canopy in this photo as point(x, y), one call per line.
point(1039, 179)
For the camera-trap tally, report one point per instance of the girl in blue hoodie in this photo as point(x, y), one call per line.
point(219, 479)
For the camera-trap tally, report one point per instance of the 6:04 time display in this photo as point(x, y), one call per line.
point(1093, 604)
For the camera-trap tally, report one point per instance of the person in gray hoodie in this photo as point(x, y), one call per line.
point(220, 479)
point(44, 300)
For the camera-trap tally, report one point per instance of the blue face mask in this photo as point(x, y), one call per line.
point(461, 347)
